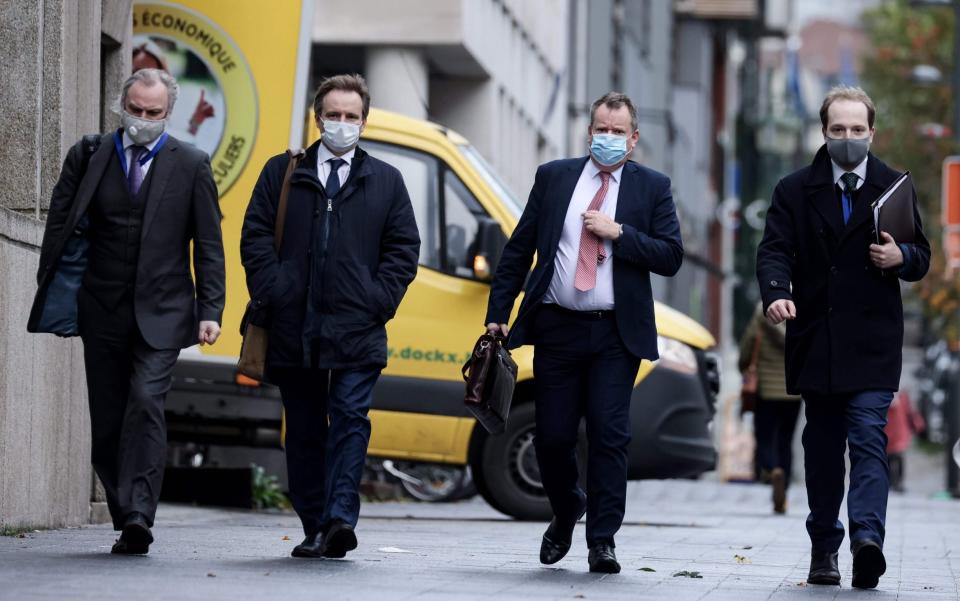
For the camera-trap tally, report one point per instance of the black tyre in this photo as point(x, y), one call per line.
point(506, 472)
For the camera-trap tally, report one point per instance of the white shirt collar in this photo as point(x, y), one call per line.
point(594, 171)
point(128, 142)
point(324, 155)
point(860, 170)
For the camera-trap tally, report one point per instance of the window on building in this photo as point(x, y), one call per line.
point(419, 172)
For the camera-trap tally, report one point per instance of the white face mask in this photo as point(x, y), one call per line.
point(340, 136)
point(142, 131)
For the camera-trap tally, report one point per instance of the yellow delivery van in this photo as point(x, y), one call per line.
point(465, 216)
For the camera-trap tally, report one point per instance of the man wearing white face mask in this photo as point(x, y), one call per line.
point(599, 225)
point(821, 270)
point(350, 247)
point(122, 218)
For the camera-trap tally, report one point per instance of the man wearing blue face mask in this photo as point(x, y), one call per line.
point(821, 270)
point(599, 226)
point(348, 251)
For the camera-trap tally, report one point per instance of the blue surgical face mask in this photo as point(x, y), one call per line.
point(608, 149)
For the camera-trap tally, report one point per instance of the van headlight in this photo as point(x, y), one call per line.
point(676, 355)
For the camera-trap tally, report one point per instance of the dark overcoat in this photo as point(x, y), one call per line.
point(848, 333)
point(343, 266)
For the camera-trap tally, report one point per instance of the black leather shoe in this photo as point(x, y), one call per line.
point(135, 538)
point(602, 559)
point(868, 564)
point(824, 568)
point(557, 539)
point(339, 539)
point(312, 546)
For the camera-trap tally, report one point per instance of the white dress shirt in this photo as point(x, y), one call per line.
point(323, 167)
point(860, 170)
point(128, 145)
point(562, 290)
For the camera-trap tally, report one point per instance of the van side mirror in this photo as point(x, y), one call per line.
point(490, 243)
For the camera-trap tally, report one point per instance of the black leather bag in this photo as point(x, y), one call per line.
point(491, 375)
point(58, 309)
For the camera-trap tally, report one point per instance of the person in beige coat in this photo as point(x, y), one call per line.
point(775, 414)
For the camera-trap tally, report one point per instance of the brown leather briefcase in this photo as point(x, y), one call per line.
point(491, 375)
point(253, 349)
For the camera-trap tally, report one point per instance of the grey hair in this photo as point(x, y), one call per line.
point(149, 77)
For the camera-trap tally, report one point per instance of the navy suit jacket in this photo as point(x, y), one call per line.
point(650, 243)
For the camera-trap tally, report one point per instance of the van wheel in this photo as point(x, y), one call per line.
point(506, 472)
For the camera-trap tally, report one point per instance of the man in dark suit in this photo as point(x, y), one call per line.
point(350, 249)
point(820, 268)
point(599, 226)
point(142, 197)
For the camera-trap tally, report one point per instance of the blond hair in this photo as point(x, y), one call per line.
point(854, 93)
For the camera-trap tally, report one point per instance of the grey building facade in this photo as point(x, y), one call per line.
point(63, 63)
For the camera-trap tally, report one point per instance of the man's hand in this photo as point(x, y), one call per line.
point(886, 255)
point(781, 310)
point(209, 332)
point(601, 226)
point(503, 328)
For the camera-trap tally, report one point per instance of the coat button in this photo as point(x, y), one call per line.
point(773, 282)
point(833, 269)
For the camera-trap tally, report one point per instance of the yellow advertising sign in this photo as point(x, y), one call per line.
point(242, 68)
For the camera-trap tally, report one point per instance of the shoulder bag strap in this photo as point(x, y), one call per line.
point(295, 156)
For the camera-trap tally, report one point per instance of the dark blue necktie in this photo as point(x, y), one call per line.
point(333, 180)
point(849, 180)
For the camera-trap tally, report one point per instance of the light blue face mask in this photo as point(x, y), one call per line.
point(608, 149)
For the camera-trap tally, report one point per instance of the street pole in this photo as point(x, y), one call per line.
point(953, 407)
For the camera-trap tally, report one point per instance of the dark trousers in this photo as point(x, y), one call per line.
point(583, 370)
point(775, 422)
point(832, 422)
point(325, 460)
point(127, 384)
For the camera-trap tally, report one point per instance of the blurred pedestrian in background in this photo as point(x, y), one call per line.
point(903, 421)
point(775, 411)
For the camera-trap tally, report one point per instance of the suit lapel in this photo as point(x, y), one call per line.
point(564, 194)
point(629, 181)
point(821, 191)
point(91, 179)
point(162, 169)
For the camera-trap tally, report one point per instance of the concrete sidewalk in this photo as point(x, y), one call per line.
point(722, 533)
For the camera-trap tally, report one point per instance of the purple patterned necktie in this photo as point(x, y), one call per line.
point(135, 172)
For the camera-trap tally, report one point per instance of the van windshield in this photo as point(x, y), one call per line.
point(493, 180)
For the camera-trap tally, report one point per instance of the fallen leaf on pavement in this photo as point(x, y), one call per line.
point(211, 575)
point(646, 569)
point(686, 574)
point(742, 559)
point(285, 537)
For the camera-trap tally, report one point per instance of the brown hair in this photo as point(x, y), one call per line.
point(854, 93)
point(615, 100)
point(347, 83)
